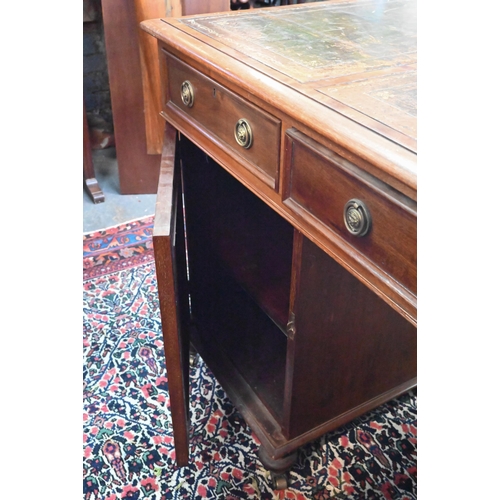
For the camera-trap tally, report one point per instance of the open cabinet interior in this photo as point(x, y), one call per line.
point(240, 262)
point(294, 368)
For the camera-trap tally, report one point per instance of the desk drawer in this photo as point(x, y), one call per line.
point(320, 183)
point(219, 110)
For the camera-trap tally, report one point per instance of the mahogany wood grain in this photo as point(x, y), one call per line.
point(169, 250)
point(218, 110)
point(386, 159)
point(137, 170)
point(400, 297)
point(350, 341)
point(322, 182)
point(399, 169)
point(134, 89)
point(173, 8)
point(218, 305)
point(190, 7)
point(315, 50)
point(349, 345)
point(177, 8)
point(150, 72)
point(370, 274)
point(151, 9)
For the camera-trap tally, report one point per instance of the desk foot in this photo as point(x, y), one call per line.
point(278, 468)
point(94, 190)
point(193, 356)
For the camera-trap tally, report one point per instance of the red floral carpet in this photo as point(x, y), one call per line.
point(128, 448)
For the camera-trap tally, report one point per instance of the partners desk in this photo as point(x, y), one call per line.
point(286, 218)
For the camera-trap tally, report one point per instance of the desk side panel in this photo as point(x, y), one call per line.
point(350, 348)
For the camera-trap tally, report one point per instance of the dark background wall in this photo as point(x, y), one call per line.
point(96, 93)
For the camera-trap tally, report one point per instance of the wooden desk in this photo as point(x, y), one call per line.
point(296, 161)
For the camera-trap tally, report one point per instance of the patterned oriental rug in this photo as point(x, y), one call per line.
point(128, 450)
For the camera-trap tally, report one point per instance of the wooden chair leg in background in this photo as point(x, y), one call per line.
point(89, 179)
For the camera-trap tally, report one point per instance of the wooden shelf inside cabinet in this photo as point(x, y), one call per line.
point(240, 261)
point(230, 322)
point(247, 239)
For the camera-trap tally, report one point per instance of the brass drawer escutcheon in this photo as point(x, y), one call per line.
point(187, 93)
point(357, 217)
point(243, 133)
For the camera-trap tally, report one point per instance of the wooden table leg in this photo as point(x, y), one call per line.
point(90, 182)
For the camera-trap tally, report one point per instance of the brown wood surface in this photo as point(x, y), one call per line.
point(134, 85)
point(333, 41)
point(349, 346)
point(177, 8)
point(350, 342)
point(148, 49)
point(320, 183)
point(218, 110)
point(151, 9)
point(390, 290)
point(137, 170)
point(190, 7)
point(173, 8)
point(279, 95)
point(237, 347)
point(379, 154)
point(168, 251)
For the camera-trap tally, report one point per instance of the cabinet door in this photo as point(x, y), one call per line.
point(170, 259)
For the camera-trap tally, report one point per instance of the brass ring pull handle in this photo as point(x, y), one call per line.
point(187, 93)
point(243, 133)
point(357, 218)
